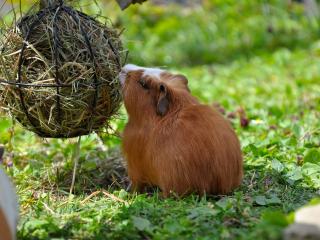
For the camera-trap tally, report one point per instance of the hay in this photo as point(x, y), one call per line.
point(68, 82)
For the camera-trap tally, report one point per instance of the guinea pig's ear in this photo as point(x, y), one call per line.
point(181, 81)
point(163, 100)
point(182, 78)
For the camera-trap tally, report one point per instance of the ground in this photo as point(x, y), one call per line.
point(270, 91)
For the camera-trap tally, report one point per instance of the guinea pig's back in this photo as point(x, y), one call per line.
point(204, 151)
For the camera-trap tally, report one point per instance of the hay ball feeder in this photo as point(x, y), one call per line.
point(59, 72)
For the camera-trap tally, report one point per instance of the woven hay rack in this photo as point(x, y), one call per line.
point(59, 71)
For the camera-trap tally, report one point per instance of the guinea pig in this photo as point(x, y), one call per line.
point(174, 142)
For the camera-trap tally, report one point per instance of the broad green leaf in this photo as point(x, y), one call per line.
point(273, 200)
point(312, 156)
point(123, 194)
point(224, 203)
point(296, 130)
point(261, 200)
point(309, 169)
point(202, 211)
point(4, 124)
point(89, 165)
point(277, 165)
point(315, 201)
point(275, 218)
point(173, 226)
point(295, 174)
point(141, 224)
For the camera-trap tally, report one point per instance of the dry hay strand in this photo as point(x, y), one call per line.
point(59, 72)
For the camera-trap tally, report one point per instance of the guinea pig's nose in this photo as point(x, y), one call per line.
point(122, 76)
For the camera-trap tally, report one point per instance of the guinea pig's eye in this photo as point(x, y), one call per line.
point(143, 84)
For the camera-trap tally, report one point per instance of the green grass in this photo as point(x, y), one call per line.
point(277, 85)
point(280, 93)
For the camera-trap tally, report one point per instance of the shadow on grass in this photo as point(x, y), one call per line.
point(91, 175)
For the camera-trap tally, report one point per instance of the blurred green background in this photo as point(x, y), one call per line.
point(164, 33)
point(214, 32)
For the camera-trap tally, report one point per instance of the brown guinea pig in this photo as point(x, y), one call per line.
point(174, 142)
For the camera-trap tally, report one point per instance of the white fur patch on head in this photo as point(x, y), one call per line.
point(152, 72)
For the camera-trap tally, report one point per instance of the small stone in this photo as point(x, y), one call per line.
point(306, 225)
point(299, 231)
point(309, 215)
